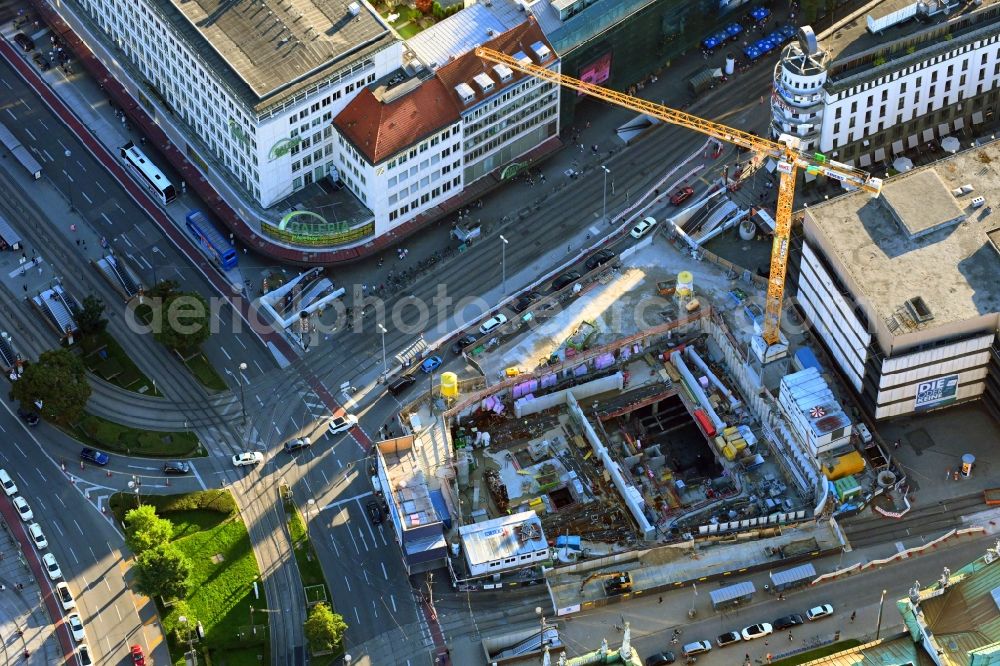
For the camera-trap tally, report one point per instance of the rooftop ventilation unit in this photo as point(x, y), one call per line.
point(918, 310)
point(354, 8)
point(465, 92)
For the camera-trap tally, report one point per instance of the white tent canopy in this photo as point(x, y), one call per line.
point(902, 164)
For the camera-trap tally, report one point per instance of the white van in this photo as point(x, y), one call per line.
point(8, 484)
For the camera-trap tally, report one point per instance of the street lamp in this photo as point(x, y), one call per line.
point(347, 660)
point(69, 187)
point(243, 393)
point(878, 625)
point(312, 506)
point(385, 367)
point(503, 264)
point(135, 484)
point(604, 214)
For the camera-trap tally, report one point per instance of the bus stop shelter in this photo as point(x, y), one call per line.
point(794, 577)
point(732, 595)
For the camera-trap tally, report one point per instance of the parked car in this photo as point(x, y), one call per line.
point(819, 612)
point(52, 566)
point(297, 444)
point(65, 597)
point(40, 60)
point(787, 622)
point(374, 512)
point(37, 536)
point(430, 364)
point(26, 43)
point(342, 423)
point(9, 487)
point(138, 658)
point(524, 301)
point(599, 259)
point(728, 638)
point(492, 323)
point(644, 227)
point(459, 345)
point(23, 509)
point(696, 648)
point(660, 659)
point(94, 456)
point(176, 467)
point(401, 383)
point(565, 280)
point(248, 458)
point(83, 655)
point(29, 417)
point(757, 631)
point(681, 195)
point(76, 627)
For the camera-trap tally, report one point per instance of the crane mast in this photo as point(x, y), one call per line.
point(785, 151)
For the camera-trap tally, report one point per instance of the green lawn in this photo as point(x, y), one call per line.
point(408, 29)
point(305, 555)
point(826, 650)
point(104, 357)
point(117, 438)
point(205, 373)
point(223, 569)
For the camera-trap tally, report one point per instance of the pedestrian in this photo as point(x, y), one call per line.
point(588, 124)
point(78, 242)
point(245, 251)
point(854, 614)
point(661, 598)
point(25, 287)
point(947, 473)
point(895, 444)
point(746, 657)
point(769, 657)
point(790, 637)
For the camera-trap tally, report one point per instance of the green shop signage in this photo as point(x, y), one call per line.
point(283, 146)
point(238, 133)
point(331, 227)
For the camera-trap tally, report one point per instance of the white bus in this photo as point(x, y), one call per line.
point(148, 174)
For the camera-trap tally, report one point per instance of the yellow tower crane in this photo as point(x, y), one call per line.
point(785, 151)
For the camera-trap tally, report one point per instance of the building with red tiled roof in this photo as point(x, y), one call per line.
point(406, 148)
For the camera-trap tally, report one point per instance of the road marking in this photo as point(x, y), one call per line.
point(356, 615)
point(374, 608)
point(140, 467)
point(68, 177)
point(325, 480)
point(40, 503)
point(384, 572)
point(246, 380)
point(119, 208)
point(258, 367)
point(364, 542)
point(63, 146)
point(381, 533)
point(294, 422)
point(28, 132)
point(6, 84)
point(78, 527)
point(333, 505)
point(40, 474)
point(348, 583)
point(335, 549)
point(392, 600)
point(20, 449)
point(100, 187)
point(106, 218)
point(305, 481)
point(226, 353)
point(353, 540)
point(259, 400)
point(277, 430)
point(73, 553)
point(125, 238)
point(58, 529)
point(47, 156)
point(84, 195)
point(42, 123)
point(61, 501)
point(201, 483)
point(119, 612)
point(340, 465)
point(241, 342)
point(25, 103)
point(21, 269)
point(11, 113)
point(141, 232)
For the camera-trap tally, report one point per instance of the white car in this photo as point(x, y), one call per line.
point(76, 628)
point(23, 509)
point(342, 423)
point(493, 322)
point(37, 536)
point(819, 612)
point(51, 566)
point(248, 458)
point(65, 597)
point(7, 483)
point(757, 631)
point(643, 228)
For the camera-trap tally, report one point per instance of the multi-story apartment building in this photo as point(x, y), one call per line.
point(405, 148)
point(256, 84)
point(902, 290)
point(895, 75)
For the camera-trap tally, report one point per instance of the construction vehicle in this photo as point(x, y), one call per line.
point(618, 583)
point(785, 151)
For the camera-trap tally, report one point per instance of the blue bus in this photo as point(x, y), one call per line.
point(205, 233)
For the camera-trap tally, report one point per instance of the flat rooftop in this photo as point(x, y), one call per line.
point(408, 481)
point(909, 242)
point(459, 33)
point(895, 20)
point(268, 47)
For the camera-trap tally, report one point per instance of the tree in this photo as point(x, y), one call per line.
point(424, 6)
point(163, 289)
point(144, 529)
point(59, 382)
point(184, 321)
point(324, 628)
point(90, 317)
point(162, 571)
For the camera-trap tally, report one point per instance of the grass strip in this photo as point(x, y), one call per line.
point(104, 357)
point(112, 437)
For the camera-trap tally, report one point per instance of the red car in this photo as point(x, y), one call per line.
point(681, 195)
point(138, 658)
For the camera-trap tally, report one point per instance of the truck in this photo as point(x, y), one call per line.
point(619, 584)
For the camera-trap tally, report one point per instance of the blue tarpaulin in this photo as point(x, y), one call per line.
point(441, 508)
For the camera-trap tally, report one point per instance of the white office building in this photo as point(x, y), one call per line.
point(257, 83)
point(503, 544)
point(903, 290)
point(895, 75)
point(404, 148)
